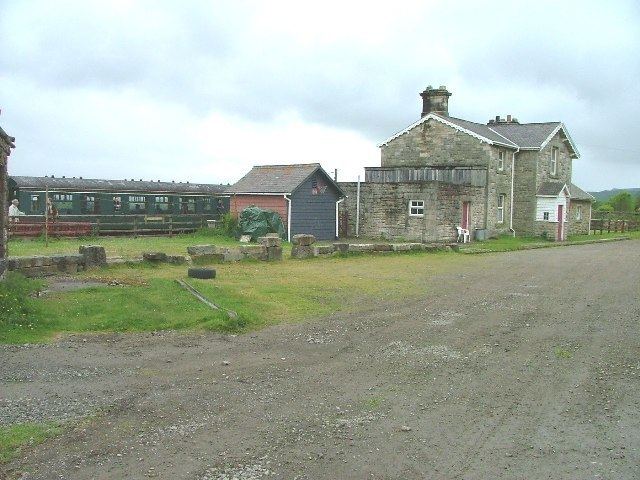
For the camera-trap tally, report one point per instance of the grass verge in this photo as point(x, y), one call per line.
point(148, 298)
point(15, 437)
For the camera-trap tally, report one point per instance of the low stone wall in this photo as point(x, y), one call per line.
point(269, 248)
point(303, 247)
point(90, 256)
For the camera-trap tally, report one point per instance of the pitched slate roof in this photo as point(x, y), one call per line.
point(122, 186)
point(525, 136)
point(578, 194)
point(277, 179)
point(550, 189)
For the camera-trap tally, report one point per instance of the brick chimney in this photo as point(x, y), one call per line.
point(435, 100)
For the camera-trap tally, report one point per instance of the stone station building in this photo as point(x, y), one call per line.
point(6, 144)
point(442, 172)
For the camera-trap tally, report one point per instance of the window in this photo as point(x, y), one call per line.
point(35, 203)
point(187, 205)
point(545, 216)
point(416, 208)
point(88, 204)
point(117, 204)
point(501, 198)
point(207, 204)
point(553, 168)
point(63, 202)
point(162, 204)
point(137, 204)
point(501, 161)
point(579, 212)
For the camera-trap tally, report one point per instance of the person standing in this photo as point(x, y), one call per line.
point(14, 211)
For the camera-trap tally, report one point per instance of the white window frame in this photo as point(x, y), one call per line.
point(501, 158)
point(418, 206)
point(578, 212)
point(553, 168)
point(502, 198)
point(546, 216)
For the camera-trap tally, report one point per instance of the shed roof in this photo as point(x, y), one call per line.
point(93, 185)
point(277, 179)
point(578, 194)
point(550, 189)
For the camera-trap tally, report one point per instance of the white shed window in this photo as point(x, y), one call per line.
point(416, 208)
point(501, 161)
point(501, 199)
point(553, 168)
point(545, 216)
point(579, 212)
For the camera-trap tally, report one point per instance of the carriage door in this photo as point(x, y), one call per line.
point(466, 215)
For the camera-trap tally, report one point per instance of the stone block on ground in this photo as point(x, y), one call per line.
point(303, 240)
point(207, 258)
point(323, 250)
point(176, 259)
point(245, 238)
point(252, 251)
point(416, 246)
point(272, 234)
point(267, 241)
point(201, 250)
point(361, 247)
point(382, 247)
point(201, 273)
point(155, 257)
point(272, 254)
point(401, 247)
point(94, 255)
point(301, 251)
point(341, 247)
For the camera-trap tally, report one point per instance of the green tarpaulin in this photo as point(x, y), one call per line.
point(257, 222)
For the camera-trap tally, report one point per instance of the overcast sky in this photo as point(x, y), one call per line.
point(201, 91)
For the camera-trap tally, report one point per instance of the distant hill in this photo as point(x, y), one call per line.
point(605, 195)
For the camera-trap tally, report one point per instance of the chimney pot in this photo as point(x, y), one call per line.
point(435, 100)
point(509, 118)
point(497, 118)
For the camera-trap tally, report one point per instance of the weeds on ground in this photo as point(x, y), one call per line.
point(17, 305)
point(14, 437)
point(561, 352)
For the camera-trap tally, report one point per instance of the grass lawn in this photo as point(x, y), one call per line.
point(261, 293)
point(13, 437)
point(126, 247)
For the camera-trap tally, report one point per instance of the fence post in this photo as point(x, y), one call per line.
point(98, 227)
point(171, 226)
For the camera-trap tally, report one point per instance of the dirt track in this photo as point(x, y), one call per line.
point(523, 365)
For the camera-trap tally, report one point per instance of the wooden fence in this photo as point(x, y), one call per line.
point(617, 222)
point(131, 225)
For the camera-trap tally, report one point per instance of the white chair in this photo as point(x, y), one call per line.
point(463, 234)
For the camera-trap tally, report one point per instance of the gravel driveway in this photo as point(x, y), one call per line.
point(522, 365)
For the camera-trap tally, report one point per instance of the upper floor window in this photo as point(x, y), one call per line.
point(501, 199)
point(553, 168)
point(579, 212)
point(545, 215)
point(501, 161)
point(416, 208)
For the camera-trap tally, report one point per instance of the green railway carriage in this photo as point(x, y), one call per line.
point(90, 197)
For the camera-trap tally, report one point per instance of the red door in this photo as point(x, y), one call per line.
point(560, 236)
point(466, 215)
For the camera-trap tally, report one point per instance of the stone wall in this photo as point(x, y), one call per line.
point(6, 144)
point(42, 265)
point(582, 226)
point(384, 209)
point(433, 143)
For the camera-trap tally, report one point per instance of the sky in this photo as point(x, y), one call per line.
point(201, 91)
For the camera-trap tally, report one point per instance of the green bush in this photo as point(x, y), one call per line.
point(229, 225)
point(16, 302)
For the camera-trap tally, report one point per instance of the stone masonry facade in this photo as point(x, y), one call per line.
point(6, 144)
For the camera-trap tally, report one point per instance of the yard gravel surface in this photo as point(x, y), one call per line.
point(521, 365)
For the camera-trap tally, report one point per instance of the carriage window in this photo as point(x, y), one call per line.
point(89, 204)
point(187, 205)
point(63, 202)
point(207, 204)
point(137, 204)
point(35, 203)
point(117, 204)
point(162, 204)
